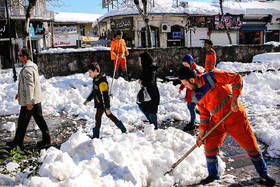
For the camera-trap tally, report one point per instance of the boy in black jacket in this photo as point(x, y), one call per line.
point(101, 99)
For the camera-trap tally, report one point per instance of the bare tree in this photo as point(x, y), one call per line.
point(224, 22)
point(144, 15)
point(30, 7)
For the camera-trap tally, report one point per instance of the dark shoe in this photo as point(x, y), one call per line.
point(189, 127)
point(208, 180)
point(13, 144)
point(95, 132)
point(267, 180)
point(121, 126)
point(125, 75)
point(43, 144)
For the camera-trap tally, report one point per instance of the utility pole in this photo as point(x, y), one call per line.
point(11, 47)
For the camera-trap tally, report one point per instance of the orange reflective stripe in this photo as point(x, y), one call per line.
point(212, 160)
point(211, 150)
point(236, 86)
point(222, 103)
point(205, 121)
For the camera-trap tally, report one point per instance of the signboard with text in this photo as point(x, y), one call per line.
point(233, 22)
point(122, 24)
point(64, 40)
point(65, 29)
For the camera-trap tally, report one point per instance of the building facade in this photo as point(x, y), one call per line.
point(182, 26)
point(39, 30)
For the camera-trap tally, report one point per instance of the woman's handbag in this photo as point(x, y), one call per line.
point(143, 96)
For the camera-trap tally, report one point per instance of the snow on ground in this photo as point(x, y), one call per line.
point(73, 50)
point(139, 158)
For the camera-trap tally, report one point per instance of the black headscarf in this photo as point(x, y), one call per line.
point(146, 60)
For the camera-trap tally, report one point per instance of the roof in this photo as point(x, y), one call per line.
point(65, 17)
point(194, 7)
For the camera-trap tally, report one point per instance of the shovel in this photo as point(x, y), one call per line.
point(117, 58)
point(202, 139)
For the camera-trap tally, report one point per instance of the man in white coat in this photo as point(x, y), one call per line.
point(29, 97)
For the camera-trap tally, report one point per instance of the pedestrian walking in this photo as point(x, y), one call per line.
point(210, 60)
point(101, 99)
point(29, 97)
point(216, 93)
point(188, 61)
point(148, 80)
point(118, 55)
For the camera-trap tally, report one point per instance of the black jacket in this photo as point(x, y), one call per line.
point(100, 92)
point(149, 80)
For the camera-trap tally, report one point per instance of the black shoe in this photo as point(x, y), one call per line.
point(208, 180)
point(13, 144)
point(43, 144)
point(267, 180)
point(189, 127)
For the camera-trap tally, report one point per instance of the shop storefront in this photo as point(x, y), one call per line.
point(251, 35)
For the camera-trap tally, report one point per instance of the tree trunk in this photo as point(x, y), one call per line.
point(224, 22)
point(29, 9)
point(146, 20)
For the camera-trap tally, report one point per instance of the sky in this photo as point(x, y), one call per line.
point(79, 6)
point(139, 158)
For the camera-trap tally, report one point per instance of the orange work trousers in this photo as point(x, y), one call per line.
point(241, 132)
point(122, 62)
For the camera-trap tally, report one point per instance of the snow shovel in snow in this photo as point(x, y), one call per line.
point(202, 139)
point(117, 59)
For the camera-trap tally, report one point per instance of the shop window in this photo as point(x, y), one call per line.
point(272, 36)
point(249, 37)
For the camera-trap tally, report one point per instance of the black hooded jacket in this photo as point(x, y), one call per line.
point(149, 80)
point(100, 92)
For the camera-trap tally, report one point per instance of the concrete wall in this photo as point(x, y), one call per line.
point(168, 59)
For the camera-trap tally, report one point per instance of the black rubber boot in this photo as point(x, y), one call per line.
point(208, 180)
point(189, 127)
point(95, 133)
point(267, 180)
point(121, 126)
point(125, 75)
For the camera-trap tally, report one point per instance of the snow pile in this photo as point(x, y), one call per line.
point(139, 158)
point(71, 50)
point(133, 159)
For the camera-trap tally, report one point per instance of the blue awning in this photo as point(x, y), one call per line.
point(253, 28)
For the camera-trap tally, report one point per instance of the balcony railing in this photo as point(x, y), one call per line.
point(18, 12)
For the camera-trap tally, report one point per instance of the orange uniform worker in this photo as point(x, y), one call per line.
point(210, 60)
point(216, 93)
point(119, 51)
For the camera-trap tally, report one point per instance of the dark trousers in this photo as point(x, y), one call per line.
point(23, 121)
point(98, 116)
point(152, 117)
point(193, 109)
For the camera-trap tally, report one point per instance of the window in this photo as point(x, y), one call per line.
point(82, 30)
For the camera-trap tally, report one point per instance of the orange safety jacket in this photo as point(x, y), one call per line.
point(210, 60)
point(118, 47)
point(215, 95)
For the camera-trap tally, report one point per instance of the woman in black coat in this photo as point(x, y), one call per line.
point(148, 79)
